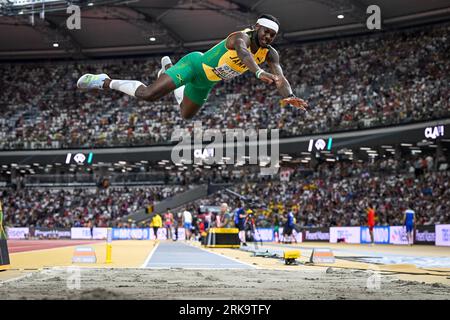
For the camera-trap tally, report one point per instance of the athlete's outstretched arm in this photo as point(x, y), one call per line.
point(240, 42)
point(283, 86)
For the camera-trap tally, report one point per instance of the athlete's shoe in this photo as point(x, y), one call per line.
point(165, 61)
point(92, 81)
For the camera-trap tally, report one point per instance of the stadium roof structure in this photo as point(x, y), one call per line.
point(32, 28)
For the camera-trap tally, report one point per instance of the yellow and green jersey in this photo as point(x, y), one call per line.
point(199, 72)
point(221, 63)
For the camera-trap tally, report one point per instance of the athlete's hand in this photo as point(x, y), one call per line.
point(296, 102)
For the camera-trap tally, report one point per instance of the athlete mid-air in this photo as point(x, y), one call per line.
point(194, 75)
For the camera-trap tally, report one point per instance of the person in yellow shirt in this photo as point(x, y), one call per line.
point(156, 223)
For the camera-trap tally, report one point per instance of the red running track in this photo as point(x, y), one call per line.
point(32, 245)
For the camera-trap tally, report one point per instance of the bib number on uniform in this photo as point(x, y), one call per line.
point(225, 72)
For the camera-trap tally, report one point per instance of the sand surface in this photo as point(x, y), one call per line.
point(137, 283)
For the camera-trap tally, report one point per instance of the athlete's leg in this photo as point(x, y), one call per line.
point(179, 76)
point(409, 234)
point(192, 90)
point(193, 99)
point(161, 87)
point(188, 108)
point(182, 74)
point(134, 88)
point(158, 89)
point(166, 64)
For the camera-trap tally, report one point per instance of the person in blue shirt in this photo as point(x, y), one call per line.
point(289, 228)
point(239, 221)
point(409, 221)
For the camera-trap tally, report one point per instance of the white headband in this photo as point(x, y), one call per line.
point(165, 60)
point(268, 24)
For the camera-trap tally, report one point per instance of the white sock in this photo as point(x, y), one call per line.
point(179, 93)
point(126, 86)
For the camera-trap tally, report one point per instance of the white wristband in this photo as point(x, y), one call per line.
point(258, 73)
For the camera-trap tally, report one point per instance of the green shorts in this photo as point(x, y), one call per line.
point(188, 71)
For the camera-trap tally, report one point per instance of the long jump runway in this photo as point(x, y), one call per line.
point(180, 255)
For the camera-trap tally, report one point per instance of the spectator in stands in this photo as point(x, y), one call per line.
point(328, 194)
point(384, 79)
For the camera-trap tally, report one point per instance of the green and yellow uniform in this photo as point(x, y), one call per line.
point(199, 72)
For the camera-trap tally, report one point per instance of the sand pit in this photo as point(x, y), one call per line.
point(166, 270)
point(297, 284)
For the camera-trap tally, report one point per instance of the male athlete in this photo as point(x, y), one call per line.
point(289, 227)
point(409, 220)
point(371, 222)
point(199, 72)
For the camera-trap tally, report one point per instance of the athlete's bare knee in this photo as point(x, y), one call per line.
point(149, 96)
point(187, 113)
point(146, 93)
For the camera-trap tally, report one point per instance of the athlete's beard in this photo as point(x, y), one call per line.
point(256, 38)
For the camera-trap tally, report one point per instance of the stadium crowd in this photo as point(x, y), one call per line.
point(330, 194)
point(323, 202)
point(383, 79)
point(87, 207)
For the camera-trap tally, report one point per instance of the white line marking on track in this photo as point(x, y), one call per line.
point(194, 268)
point(222, 255)
point(54, 248)
point(192, 263)
point(150, 255)
point(18, 278)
